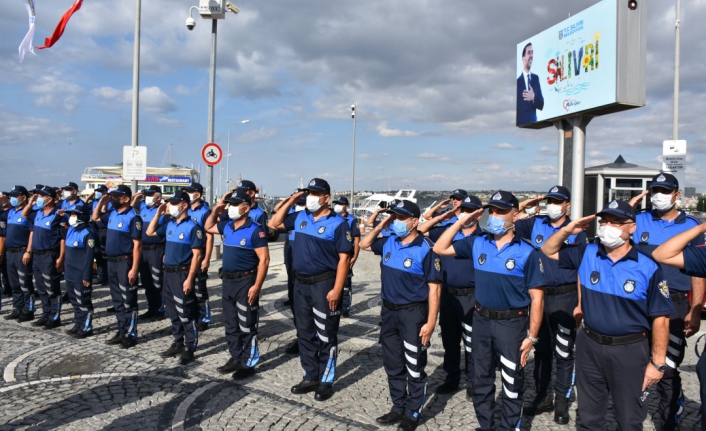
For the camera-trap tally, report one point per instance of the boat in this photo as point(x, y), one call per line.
point(169, 179)
point(373, 202)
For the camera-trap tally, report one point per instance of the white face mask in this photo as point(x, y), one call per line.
point(662, 201)
point(610, 236)
point(338, 209)
point(530, 211)
point(73, 221)
point(65, 194)
point(174, 211)
point(554, 212)
point(149, 201)
point(234, 212)
point(312, 203)
point(298, 208)
point(192, 197)
point(466, 225)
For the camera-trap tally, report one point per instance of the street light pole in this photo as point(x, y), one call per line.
point(353, 106)
point(212, 108)
point(136, 82)
point(228, 153)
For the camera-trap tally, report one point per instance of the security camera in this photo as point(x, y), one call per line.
point(190, 23)
point(632, 4)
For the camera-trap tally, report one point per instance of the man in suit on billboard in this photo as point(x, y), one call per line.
point(529, 92)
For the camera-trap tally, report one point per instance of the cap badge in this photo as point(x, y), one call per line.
point(240, 183)
point(661, 178)
point(456, 192)
point(400, 204)
point(467, 200)
point(613, 205)
point(497, 196)
point(312, 183)
point(554, 189)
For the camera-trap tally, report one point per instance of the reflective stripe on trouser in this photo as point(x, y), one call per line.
point(151, 278)
point(240, 321)
point(701, 374)
point(99, 253)
point(47, 277)
point(404, 358)
point(347, 297)
point(456, 321)
point(181, 309)
point(620, 368)
point(202, 296)
point(80, 297)
point(669, 388)
point(497, 342)
point(557, 335)
point(20, 277)
point(317, 330)
point(123, 297)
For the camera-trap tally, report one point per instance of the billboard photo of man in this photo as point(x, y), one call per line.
point(529, 92)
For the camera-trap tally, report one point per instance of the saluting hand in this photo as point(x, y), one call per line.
point(636, 200)
point(579, 225)
point(163, 208)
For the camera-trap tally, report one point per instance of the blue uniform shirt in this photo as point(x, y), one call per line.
point(456, 272)
point(68, 206)
point(447, 223)
point(17, 228)
point(318, 242)
point(695, 261)
point(259, 216)
point(353, 225)
point(200, 214)
point(536, 230)
point(122, 229)
point(652, 231)
point(618, 298)
point(385, 232)
point(147, 214)
point(3, 223)
point(182, 237)
point(80, 244)
point(503, 277)
point(408, 269)
point(48, 231)
point(239, 245)
point(100, 224)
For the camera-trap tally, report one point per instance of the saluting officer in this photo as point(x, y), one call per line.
point(245, 260)
point(457, 196)
point(557, 333)
point(458, 299)
point(256, 213)
point(184, 244)
point(78, 270)
point(151, 272)
point(654, 228)
point(69, 198)
point(123, 250)
point(372, 221)
point(46, 250)
point(321, 258)
point(15, 244)
point(624, 297)
point(199, 212)
point(100, 230)
point(340, 207)
point(509, 277)
point(411, 278)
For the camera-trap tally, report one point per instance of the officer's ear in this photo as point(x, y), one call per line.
point(633, 227)
point(677, 196)
point(515, 215)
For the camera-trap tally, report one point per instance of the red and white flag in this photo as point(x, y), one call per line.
point(59, 30)
point(27, 43)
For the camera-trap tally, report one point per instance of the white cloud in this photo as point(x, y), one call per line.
point(152, 99)
point(256, 135)
point(506, 146)
point(548, 151)
point(386, 132)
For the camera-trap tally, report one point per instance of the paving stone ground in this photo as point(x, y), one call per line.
point(51, 381)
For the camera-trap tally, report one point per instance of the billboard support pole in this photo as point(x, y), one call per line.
point(578, 164)
point(677, 25)
point(560, 153)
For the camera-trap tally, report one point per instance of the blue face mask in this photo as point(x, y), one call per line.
point(40, 203)
point(98, 195)
point(496, 225)
point(14, 201)
point(399, 228)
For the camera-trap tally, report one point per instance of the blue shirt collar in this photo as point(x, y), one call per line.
point(632, 254)
point(681, 217)
point(416, 242)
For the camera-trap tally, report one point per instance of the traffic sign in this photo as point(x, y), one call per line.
point(212, 154)
point(673, 156)
point(134, 163)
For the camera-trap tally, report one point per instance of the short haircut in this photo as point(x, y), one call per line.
point(524, 50)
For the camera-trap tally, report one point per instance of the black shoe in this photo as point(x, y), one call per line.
point(7, 291)
point(172, 351)
point(469, 394)
point(229, 367)
point(146, 316)
point(408, 424)
point(346, 313)
point(12, 316)
point(380, 323)
point(72, 331)
point(51, 324)
point(323, 392)
point(561, 411)
point(447, 388)
point(25, 317)
point(390, 418)
point(117, 339)
point(103, 282)
point(292, 348)
point(110, 310)
point(540, 404)
point(201, 326)
point(128, 342)
point(186, 356)
point(287, 302)
point(82, 334)
point(243, 373)
point(305, 386)
point(159, 315)
point(65, 298)
point(40, 322)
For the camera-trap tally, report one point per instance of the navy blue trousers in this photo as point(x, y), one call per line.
point(202, 296)
point(123, 296)
point(456, 321)
point(151, 264)
point(80, 297)
point(669, 388)
point(181, 309)
point(20, 277)
point(47, 277)
point(347, 298)
point(701, 374)
point(240, 321)
point(99, 253)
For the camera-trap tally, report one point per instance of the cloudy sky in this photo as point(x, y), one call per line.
point(434, 82)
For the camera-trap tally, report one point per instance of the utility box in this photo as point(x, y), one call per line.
point(212, 9)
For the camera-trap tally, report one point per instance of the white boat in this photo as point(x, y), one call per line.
point(370, 204)
point(169, 179)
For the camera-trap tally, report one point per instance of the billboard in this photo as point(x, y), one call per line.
point(592, 63)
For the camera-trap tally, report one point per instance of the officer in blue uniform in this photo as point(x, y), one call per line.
point(411, 288)
point(509, 277)
point(14, 245)
point(258, 215)
point(151, 263)
point(4, 282)
point(199, 212)
point(458, 299)
point(245, 260)
point(69, 198)
point(372, 221)
point(78, 270)
point(100, 231)
point(47, 252)
point(184, 245)
point(340, 207)
point(654, 228)
point(557, 333)
point(457, 196)
point(679, 252)
point(624, 297)
point(123, 252)
point(321, 259)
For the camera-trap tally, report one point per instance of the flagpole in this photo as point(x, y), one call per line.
point(136, 81)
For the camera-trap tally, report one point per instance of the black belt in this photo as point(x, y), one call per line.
point(152, 247)
point(101, 230)
point(461, 292)
point(611, 340)
point(558, 290)
point(678, 296)
point(500, 314)
point(176, 268)
point(15, 249)
point(118, 258)
point(41, 252)
point(237, 274)
point(394, 307)
point(316, 278)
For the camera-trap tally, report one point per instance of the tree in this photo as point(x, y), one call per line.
point(701, 205)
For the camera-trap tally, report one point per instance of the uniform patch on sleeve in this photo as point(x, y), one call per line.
point(541, 266)
point(349, 237)
point(138, 225)
point(91, 243)
point(664, 288)
point(262, 234)
point(199, 234)
point(2, 224)
point(437, 264)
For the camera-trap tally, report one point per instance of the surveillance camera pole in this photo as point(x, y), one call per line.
point(355, 104)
